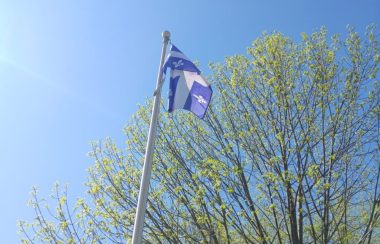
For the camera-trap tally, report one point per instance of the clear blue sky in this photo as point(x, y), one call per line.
point(74, 71)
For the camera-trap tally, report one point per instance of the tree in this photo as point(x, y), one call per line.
point(288, 153)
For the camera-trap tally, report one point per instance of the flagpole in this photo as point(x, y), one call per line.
point(147, 169)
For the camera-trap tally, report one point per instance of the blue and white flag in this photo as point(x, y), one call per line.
point(188, 89)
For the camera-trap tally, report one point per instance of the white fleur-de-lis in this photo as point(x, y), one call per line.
point(200, 99)
point(177, 64)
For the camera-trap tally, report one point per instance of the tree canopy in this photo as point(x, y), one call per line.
point(288, 153)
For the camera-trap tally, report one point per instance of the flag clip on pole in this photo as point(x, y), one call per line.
point(147, 168)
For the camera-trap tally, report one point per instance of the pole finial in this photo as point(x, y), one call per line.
point(166, 36)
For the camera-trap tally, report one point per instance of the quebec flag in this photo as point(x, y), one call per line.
point(188, 89)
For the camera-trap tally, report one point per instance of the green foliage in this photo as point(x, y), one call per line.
point(288, 153)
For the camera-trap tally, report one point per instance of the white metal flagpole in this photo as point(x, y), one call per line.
point(147, 169)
